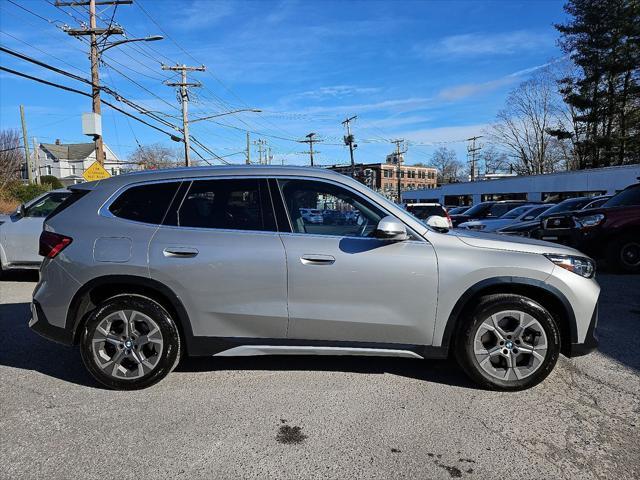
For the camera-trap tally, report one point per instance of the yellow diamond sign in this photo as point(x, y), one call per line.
point(95, 172)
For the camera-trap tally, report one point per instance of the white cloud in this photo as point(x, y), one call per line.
point(476, 44)
point(201, 13)
point(336, 91)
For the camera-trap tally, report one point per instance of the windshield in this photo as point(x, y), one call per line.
point(630, 196)
point(478, 209)
point(458, 210)
point(516, 212)
point(567, 206)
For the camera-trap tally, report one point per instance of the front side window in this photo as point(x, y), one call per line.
point(342, 213)
point(628, 197)
point(145, 203)
point(230, 204)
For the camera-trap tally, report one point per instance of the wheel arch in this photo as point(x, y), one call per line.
point(546, 295)
point(101, 288)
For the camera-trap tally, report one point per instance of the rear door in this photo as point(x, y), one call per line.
point(346, 285)
point(219, 251)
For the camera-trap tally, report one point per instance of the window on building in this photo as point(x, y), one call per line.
point(47, 169)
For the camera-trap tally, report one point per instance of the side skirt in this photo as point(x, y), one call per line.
point(245, 346)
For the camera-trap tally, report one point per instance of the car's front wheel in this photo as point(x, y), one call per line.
point(130, 342)
point(508, 342)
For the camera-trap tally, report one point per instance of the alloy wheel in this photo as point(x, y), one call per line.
point(127, 344)
point(510, 345)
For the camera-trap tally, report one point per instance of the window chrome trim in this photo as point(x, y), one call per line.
point(104, 211)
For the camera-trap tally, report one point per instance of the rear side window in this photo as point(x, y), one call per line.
point(230, 204)
point(145, 203)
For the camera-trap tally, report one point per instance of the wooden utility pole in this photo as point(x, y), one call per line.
point(471, 150)
point(310, 139)
point(261, 148)
point(36, 159)
point(248, 150)
point(184, 100)
point(348, 140)
point(399, 158)
point(25, 141)
point(94, 33)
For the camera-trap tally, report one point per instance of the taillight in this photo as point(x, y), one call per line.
point(51, 244)
point(449, 218)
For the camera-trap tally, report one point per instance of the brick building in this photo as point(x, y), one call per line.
point(383, 177)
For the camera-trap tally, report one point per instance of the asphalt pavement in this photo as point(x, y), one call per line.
point(305, 417)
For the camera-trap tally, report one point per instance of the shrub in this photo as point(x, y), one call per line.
point(8, 205)
point(50, 180)
point(23, 193)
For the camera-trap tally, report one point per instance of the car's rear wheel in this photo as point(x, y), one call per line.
point(623, 253)
point(508, 342)
point(130, 342)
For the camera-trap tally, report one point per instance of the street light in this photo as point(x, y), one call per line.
point(151, 38)
point(254, 110)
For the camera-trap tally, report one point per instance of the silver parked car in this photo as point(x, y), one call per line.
point(20, 231)
point(142, 268)
point(524, 213)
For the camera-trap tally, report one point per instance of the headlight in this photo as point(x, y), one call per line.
point(585, 267)
point(591, 220)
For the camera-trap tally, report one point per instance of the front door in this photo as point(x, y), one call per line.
point(219, 251)
point(346, 285)
point(22, 234)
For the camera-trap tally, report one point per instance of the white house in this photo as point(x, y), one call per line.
point(68, 161)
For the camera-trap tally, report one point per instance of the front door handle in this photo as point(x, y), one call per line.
point(317, 259)
point(180, 252)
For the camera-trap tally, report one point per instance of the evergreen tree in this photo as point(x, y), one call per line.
point(603, 40)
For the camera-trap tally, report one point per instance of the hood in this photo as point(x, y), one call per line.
point(512, 244)
point(4, 218)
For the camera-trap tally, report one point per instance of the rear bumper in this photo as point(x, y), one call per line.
point(41, 326)
point(590, 341)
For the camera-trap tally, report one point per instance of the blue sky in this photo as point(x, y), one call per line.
point(431, 72)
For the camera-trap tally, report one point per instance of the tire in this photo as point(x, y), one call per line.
point(623, 253)
point(497, 318)
point(134, 354)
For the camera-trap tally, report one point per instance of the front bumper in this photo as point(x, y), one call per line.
point(590, 341)
point(41, 326)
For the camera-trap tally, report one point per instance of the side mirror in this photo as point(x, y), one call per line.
point(22, 211)
point(441, 224)
point(390, 228)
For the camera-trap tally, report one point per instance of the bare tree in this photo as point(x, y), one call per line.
point(522, 127)
point(11, 157)
point(154, 157)
point(494, 160)
point(447, 164)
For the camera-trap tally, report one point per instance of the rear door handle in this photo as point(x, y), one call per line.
point(317, 259)
point(180, 252)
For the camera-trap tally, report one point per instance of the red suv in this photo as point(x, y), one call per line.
point(613, 230)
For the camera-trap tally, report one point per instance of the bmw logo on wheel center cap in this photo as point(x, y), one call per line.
point(509, 345)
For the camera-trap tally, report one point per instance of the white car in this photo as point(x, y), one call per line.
point(524, 213)
point(20, 231)
point(311, 215)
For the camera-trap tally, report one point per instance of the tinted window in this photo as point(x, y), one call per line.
point(630, 196)
point(241, 204)
point(516, 212)
point(534, 212)
point(425, 211)
point(567, 206)
point(145, 203)
point(478, 210)
point(46, 205)
point(499, 209)
point(353, 217)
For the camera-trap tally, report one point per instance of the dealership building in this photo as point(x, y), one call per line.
point(535, 188)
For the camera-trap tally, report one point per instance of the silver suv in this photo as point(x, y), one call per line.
point(143, 268)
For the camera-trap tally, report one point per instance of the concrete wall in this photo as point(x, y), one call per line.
point(609, 180)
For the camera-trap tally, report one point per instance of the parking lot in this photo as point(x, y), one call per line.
point(299, 417)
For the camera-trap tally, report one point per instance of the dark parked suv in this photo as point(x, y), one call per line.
point(487, 210)
point(611, 231)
